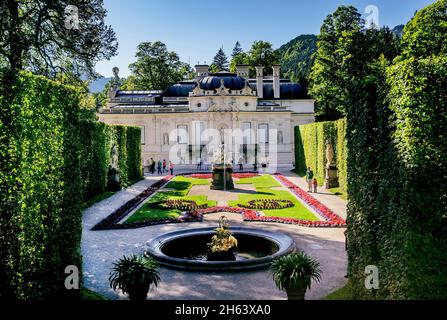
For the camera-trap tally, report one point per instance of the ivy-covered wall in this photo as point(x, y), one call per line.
point(50, 163)
point(310, 148)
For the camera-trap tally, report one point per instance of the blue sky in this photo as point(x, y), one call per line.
point(196, 29)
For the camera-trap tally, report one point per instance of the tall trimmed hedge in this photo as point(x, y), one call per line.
point(98, 140)
point(310, 148)
point(397, 163)
point(40, 194)
point(50, 162)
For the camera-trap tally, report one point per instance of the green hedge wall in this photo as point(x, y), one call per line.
point(98, 140)
point(41, 194)
point(50, 162)
point(310, 148)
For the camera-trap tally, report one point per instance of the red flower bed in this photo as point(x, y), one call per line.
point(245, 175)
point(201, 175)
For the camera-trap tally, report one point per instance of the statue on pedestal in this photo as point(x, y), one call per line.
point(113, 179)
point(331, 179)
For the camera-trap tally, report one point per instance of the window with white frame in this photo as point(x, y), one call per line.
point(263, 133)
point(182, 134)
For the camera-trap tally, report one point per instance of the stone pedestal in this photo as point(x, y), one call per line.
point(331, 180)
point(222, 176)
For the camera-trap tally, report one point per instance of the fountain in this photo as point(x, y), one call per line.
point(221, 249)
point(222, 172)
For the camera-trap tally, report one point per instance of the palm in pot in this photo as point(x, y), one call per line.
point(294, 274)
point(134, 275)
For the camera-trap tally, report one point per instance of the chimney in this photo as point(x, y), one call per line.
point(276, 84)
point(202, 70)
point(260, 81)
point(242, 70)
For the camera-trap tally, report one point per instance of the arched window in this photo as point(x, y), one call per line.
point(280, 137)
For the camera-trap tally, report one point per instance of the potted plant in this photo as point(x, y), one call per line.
point(134, 275)
point(294, 274)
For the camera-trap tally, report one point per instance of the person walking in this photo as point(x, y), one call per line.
point(164, 166)
point(199, 163)
point(309, 179)
point(315, 185)
point(159, 167)
point(152, 166)
point(241, 164)
point(171, 167)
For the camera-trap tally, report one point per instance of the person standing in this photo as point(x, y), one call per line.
point(159, 167)
point(171, 167)
point(199, 163)
point(241, 164)
point(164, 166)
point(309, 179)
point(152, 166)
point(315, 185)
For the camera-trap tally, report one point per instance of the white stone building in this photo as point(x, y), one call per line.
point(255, 118)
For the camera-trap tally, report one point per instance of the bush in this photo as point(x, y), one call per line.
point(310, 149)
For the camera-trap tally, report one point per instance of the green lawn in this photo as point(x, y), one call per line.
point(260, 182)
point(181, 186)
point(264, 185)
point(344, 293)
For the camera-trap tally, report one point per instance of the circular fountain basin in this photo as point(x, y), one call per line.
point(187, 249)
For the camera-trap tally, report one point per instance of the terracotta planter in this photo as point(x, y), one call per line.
point(296, 293)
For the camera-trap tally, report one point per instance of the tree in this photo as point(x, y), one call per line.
point(220, 60)
point(156, 68)
point(240, 58)
point(262, 54)
point(237, 49)
point(50, 37)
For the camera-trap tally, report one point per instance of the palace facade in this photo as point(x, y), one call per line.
point(253, 118)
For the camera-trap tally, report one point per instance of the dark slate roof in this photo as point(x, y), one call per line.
point(231, 81)
point(181, 89)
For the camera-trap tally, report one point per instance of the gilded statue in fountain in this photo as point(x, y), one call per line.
point(223, 243)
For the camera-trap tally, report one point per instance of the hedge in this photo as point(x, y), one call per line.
point(98, 140)
point(310, 148)
point(41, 194)
point(50, 162)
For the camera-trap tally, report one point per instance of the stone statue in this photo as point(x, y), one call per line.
point(331, 179)
point(330, 155)
point(113, 183)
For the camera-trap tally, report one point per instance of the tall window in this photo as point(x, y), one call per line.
point(246, 128)
point(263, 133)
point(143, 134)
point(182, 134)
point(199, 127)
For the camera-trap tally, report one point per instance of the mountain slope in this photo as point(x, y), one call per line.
point(297, 57)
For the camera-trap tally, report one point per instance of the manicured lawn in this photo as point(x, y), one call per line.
point(264, 185)
point(87, 294)
point(181, 186)
point(260, 182)
point(341, 294)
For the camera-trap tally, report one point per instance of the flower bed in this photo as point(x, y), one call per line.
point(179, 204)
point(111, 221)
point(267, 204)
point(331, 218)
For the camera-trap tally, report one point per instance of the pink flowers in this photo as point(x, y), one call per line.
point(331, 218)
point(235, 175)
